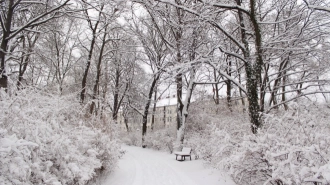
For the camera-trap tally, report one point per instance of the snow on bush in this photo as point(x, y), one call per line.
point(132, 138)
point(45, 139)
point(160, 139)
point(293, 147)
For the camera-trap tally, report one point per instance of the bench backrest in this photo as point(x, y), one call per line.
point(186, 150)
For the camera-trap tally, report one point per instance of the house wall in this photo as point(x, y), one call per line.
point(165, 117)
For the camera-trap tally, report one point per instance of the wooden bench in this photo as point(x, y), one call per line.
point(186, 152)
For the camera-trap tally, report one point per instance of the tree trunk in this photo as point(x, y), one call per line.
point(283, 91)
point(216, 88)
point(257, 67)
point(164, 116)
point(4, 44)
point(98, 71)
point(252, 75)
point(228, 84)
point(84, 80)
point(90, 54)
point(179, 100)
point(126, 123)
point(178, 79)
point(154, 109)
point(186, 103)
point(240, 90)
point(116, 96)
point(146, 109)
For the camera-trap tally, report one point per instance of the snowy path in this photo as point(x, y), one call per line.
point(148, 167)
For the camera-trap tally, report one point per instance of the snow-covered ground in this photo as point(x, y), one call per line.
point(148, 167)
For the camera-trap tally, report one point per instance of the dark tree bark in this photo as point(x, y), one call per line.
point(7, 34)
point(164, 116)
point(25, 59)
point(282, 70)
point(240, 90)
point(116, 95)
point(179, 110)
point(178, 79)
point(228, 84)
point(90, 52)
point(154, 109)
point(283, 90)
point(253, 72)
point(6, 28)
point(146, 108)
point(98, 71)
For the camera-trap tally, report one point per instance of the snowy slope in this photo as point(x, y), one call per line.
point(148, 167)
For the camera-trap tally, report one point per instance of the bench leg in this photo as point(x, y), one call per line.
point(176, 157)
point(190, 157)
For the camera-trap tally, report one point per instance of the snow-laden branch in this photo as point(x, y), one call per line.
point(326, 9)
point(294, 98)
point(32, 2)
point(231, 7)
point(36, 20)
point(209, 83)
point(324, 82)
point(228, 77)
point(281, 21)
point(213, 23)
point(232, 54)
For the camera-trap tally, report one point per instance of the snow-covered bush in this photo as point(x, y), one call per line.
point(132, 138)
point(292, 147)
point(161, 139)
point(214, 135)
point(45, 139)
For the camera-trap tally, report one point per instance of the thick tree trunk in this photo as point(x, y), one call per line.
point(4, 44)
point(252, 95)
point(186, 103)
point(178, 79)
point(257, 67)
point(253, 72)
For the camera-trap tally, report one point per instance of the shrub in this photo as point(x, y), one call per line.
point(291, 148)
point(45, 139)
point(161, 139)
